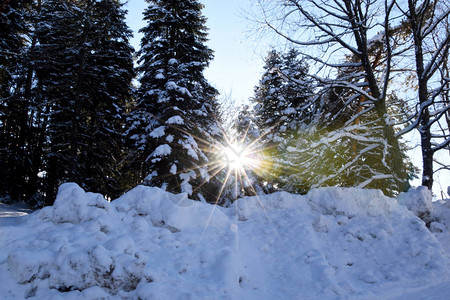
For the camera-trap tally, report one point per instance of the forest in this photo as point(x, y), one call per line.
point(349, 80)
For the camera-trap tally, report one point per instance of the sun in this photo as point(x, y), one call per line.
point(236, 156)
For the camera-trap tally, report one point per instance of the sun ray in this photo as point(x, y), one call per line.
point(262, 205)
point(215, 205)
point(238, 155)
point(232, 153)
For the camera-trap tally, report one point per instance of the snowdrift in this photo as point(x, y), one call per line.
point(333, 243)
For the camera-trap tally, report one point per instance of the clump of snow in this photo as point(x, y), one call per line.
point(158, 132)
point(175, 120)
point(418, 200)
point(333, 243)
point(170, 138)
point(83, 207)
point(190, 145)
point(171, 85)
point(173, 169)
point(440, 223)
point(289, 111)
point(162, 150)
point(441, 213)
point(185, 186)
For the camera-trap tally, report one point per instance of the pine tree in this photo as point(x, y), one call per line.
point(281, 94)
point(13, 27)
point(253, 179)
point(107, 76)
point(268, 95)
point(173, 125)
point(281, 105)
point(297, 90)
point(85, 73)
point(14, 125)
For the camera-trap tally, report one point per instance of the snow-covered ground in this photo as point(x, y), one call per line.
point(333, 243)
point(10, 212)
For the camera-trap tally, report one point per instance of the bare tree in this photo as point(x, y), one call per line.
point(351, 45)
point(429, 25)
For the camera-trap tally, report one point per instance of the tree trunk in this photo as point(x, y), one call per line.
point(424, 115)
point(74, 172)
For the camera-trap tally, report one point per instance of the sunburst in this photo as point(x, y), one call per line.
point(236, 156)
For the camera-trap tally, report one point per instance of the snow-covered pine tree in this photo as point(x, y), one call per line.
point(14, 126)
point(281, 105)
point(298, 88)
point(13, 30)
point(85, 73)
point(106, 82)
point(248, 135)
point(174, 123)
point(59, 39)
point(268, 96)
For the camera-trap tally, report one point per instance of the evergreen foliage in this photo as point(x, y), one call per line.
point(88, 81)
point(14, 105)
point(281, 106)
point(13, 26)
point(174, 123)
point(65, 96)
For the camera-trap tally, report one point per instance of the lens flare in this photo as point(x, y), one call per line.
point(236, 157)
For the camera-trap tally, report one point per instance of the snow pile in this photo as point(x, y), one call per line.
point(418, 200)
point(330, 244)
point(440, 223)
point(436, 214)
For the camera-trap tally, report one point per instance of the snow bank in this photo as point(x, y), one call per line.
point(333, 243)
point(440, 223)
point(418, 200)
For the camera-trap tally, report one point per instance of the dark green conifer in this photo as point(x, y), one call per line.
point(174, 123)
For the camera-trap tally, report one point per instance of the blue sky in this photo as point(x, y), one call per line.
point(238, 62)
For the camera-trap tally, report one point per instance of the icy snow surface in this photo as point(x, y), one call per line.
point(333, 243)
point(10, 212)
